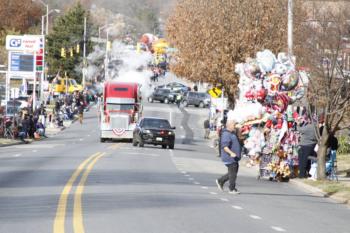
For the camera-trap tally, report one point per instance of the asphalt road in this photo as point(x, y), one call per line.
point(73, 183)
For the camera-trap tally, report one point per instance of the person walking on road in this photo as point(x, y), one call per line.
point(206, 129)
point(81, 113)
point(230, 155)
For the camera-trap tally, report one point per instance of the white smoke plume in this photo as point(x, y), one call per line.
point(133, 67)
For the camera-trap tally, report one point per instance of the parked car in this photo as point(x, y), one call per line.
point(156, 131)
point(163, 96)
point(198, 99)
point(175, 86)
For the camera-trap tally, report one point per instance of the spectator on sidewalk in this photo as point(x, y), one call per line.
point(31, 126)
point(307, 145)
point(40, 128)
point(230, 155)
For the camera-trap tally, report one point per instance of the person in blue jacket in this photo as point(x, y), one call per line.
point(230, 155)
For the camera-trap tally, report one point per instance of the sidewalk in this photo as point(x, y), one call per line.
point(337, 191)
point(51, 130)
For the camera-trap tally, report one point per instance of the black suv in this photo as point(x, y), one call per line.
point(198, 99)
point(154, 131)
point(162, 95)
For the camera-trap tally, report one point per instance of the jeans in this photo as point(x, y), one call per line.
point(231, 175)
point(304, 152)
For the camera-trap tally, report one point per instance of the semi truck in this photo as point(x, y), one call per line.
point(120, 109)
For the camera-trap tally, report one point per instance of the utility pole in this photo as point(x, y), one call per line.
point(84, 55)
point(106, 59)
point(290, 28)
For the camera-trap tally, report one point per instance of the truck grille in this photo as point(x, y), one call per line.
point(120, 121)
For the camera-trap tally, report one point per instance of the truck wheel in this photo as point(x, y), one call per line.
point(164, 146)
point(102, 140)
point(184, 103)
point(166, 100)
point(171, 146)
point(150, 99)
point(201, 105)
point(141, 143)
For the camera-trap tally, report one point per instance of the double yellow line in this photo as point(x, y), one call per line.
point(78, 226)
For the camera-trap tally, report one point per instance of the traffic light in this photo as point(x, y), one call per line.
point(109, 45)
point(78, 48)
point(63, 52)
point(71, 52)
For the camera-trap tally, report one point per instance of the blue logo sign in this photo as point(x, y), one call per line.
point(15, 43)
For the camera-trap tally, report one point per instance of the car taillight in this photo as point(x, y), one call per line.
point(162, 132)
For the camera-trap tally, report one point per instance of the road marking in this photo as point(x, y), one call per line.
point(224, 199)
point(183, 136)
point(213, 193)
point(197, 183)
point(16, 155)
point(187, 175)
point(114, 146)
point(81, 139)
point(88, 135)
point(279, 229)
point(204, 187)
point(134, 153)
point(59, 221)
point(184, 172)
point(36, 146)
point(237, 207)
point(78, 225)
point(190, 178)
point(34, 151)
point(255, 217)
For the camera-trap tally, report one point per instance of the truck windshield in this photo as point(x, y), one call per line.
point(120, 107)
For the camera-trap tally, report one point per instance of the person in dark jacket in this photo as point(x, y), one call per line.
point(31, 128)
point(230, 155)
point(307, 145)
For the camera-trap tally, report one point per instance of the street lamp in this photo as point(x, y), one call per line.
point(47, 13)
point(42, 20)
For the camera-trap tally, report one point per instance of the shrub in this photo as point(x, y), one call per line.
point(344, 145)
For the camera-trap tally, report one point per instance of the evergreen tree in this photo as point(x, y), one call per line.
point(68, 32)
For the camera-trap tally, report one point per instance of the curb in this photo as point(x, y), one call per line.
point(309, 188)
point(320, 192)
point(11, 144)
point(16, 143)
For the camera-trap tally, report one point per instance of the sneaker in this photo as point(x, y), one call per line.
point(220, 186)
point(235, 191)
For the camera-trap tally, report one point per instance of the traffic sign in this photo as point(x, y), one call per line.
point(215, 92)
point(24, 42)
point(22, 62)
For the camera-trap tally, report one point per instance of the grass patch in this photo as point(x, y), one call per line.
point(343, 163)
point(330, 187)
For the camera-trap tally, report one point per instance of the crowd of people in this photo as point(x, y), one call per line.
point(31, 124)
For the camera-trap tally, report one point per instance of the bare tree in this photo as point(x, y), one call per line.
point(328, 31)
point(213, 35)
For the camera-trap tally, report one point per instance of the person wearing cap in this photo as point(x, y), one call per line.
point(230, 155)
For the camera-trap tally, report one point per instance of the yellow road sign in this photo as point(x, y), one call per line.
point(215, 92)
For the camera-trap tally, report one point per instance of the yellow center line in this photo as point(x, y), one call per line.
point(115, 146)
point(78, 224)
point(59, 221)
